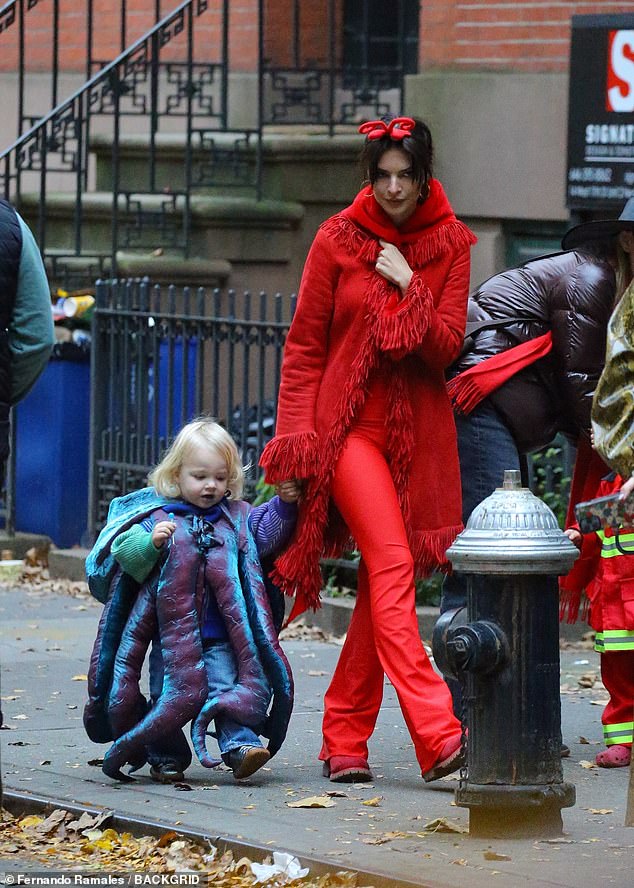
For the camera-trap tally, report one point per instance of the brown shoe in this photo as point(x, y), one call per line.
point(167, 772)
point(246, 760)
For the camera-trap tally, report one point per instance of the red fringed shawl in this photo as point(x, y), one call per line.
point(350, 323)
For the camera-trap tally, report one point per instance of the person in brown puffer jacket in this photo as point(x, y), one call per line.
point(545, 323)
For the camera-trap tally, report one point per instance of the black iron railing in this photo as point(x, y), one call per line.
point(339, 63)
point(158, 79)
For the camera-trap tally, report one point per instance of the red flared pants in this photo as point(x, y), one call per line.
point(383, 636)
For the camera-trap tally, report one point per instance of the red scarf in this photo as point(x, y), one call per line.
point(367, 213)
point(473, 385)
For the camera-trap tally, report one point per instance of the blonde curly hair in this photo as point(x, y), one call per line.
point(201, 431)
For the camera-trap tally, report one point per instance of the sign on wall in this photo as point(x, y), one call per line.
point(601, 112)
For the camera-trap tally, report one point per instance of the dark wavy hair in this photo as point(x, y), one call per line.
point(418, 146)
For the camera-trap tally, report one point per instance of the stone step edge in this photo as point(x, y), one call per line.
point(333, 617)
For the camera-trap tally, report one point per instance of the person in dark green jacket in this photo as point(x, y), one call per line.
point(26, 320)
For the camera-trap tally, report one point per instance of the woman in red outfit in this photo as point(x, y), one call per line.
point(365, 421)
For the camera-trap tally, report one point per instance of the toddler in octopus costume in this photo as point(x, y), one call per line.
point(365, 422)
point(179, 565)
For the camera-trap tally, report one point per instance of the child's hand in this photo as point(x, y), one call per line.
point(289, 491)
point(574, 536)
point(162, 532)
point(627, 488)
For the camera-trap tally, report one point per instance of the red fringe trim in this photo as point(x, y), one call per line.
point(405, 327)
point(290, 456)
point(355, 241)
point(451, 236)
point(445, 237)
point(401, 440)
point(429, 550)
point(572, 605)
point(465, 394)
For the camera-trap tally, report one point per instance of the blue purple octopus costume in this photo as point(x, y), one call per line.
point(221, 556)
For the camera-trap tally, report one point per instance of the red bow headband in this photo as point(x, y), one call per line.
point(397, 128)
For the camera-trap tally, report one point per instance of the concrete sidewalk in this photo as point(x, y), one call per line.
point(45, 644)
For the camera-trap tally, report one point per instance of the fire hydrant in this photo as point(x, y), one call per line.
point(505, 652)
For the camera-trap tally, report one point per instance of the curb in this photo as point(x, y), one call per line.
point(19, 804)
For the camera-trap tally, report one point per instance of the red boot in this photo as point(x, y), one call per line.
point(347, 769)
point(451, 759)
point(616, 756)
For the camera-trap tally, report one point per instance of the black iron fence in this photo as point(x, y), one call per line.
point(161, 356)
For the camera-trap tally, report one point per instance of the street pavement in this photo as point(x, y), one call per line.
point(45, 644)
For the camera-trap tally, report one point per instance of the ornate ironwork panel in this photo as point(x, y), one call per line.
point(199, 82)
point(151, 226)
point(224, 161)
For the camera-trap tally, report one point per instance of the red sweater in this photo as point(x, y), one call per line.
point(350, 324)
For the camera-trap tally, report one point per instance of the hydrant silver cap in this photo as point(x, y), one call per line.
point(512, 531)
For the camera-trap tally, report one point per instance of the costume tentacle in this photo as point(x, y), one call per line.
point(184, 678)
point(111, 625)
point(126, 703)
point(247, 702)
point(265, 634)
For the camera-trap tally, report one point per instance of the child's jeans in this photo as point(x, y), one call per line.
point(222, 674)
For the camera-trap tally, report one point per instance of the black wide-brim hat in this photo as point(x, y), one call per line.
point(602, 229)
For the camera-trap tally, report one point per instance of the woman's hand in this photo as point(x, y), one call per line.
point(574, 536)
point(162, 532)
point(392, 265)
point(289, 491)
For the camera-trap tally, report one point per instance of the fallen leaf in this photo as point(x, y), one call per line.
point(89, 821)
point(313, 802)
point(441, 824)
point(19, 717)
point(587, 680)
point(79, 678)
point(601, 810)
point(52, 821)
point(493, 855)
point(373, 803)
point(30, 820)
point(587, 765)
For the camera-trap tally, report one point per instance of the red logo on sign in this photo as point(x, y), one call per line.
point(620, 80)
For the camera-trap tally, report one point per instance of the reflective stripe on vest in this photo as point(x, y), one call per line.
point(621, 733)
point(614, 640)
point(609, 549)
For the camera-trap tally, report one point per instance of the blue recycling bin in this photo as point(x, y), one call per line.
point(52, 451)
point(175, 383)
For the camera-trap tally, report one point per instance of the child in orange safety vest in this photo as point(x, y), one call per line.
point(611, 596)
